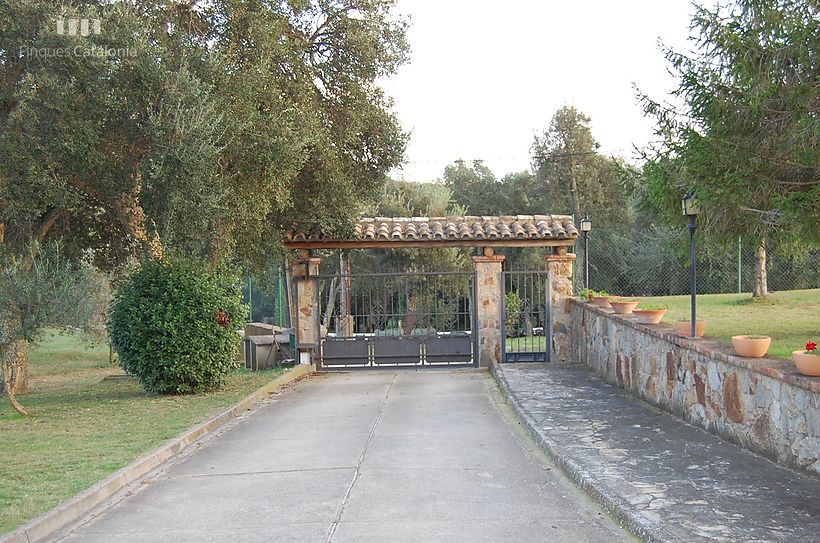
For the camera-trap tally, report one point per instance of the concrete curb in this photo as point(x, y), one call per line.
point(74, 508)
point(629, 517)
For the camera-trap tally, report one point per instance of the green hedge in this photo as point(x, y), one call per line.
point(173, 325)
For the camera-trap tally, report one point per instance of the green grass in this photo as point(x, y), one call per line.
point(791, 318)
point(84, 428)
point(525, 344)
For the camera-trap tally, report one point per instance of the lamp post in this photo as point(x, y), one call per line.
point(690, 210)
point(586, 228)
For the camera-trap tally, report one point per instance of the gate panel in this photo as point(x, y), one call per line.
point(452, 349)
point(526, 326)
point(352, 351)
point(397, 320)
point(397, 350)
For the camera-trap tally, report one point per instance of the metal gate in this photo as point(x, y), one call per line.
point(526, 330)
point(395, 320)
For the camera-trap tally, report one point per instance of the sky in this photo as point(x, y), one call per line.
point(485, 76)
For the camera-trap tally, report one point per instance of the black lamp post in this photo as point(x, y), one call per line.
point(586, 228)
point(690, 210)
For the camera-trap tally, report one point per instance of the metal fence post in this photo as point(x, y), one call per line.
point(739, 264)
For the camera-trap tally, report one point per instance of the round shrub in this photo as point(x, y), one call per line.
point(173, 326)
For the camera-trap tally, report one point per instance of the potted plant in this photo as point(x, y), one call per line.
point(601, 299)
point(751, 346)
point(684, 328)
point(808, 361)
point(650, 313)
point(587, 294)
point(623, 306)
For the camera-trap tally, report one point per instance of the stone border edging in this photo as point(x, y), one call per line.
point(613, 503)
point(72, 509)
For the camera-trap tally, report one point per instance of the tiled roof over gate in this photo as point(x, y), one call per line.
point(397, 231)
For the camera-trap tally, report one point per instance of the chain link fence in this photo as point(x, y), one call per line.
point(657, 267)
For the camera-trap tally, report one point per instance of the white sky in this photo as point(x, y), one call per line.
point(484, 76)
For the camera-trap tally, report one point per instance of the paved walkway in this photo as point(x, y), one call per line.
point(369, 456)
point(670, 480)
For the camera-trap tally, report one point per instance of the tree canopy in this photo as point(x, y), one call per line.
point(748, 138)
point(217, 124)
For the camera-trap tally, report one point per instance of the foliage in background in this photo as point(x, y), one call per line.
point(512, 312)
point(747, 141)
point(173, 326)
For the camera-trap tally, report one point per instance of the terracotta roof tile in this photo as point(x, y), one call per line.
point(467, 228)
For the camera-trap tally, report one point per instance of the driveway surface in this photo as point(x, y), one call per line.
point(357, 457)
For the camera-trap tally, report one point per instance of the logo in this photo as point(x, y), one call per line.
point(78, 27)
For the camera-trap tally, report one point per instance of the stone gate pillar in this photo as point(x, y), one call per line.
point(559, 264)
point(306, 318)
point(488, 310)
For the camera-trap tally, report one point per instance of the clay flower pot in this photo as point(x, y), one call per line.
point(602, 301)
point(684, 328)
point(807, 364)
point(623, 307)
point(649, 316)
point(751, 346)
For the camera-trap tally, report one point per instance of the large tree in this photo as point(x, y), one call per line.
point(747, 140)
point(574, 177)
point(211, 125)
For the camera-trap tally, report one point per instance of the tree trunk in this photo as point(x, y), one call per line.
point(330, 306)
point(410, 322)
point(14, 355)
point(9, 390)
point(573, 190)
point(761, 282)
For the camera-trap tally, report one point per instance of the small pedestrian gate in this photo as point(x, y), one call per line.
point(526, 330)
point(397, 320)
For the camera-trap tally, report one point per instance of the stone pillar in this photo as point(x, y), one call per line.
point(559, 264)
point(488, 307)
point(306, 319)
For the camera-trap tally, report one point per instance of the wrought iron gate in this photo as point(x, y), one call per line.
point(526, 331)
point(395, 320)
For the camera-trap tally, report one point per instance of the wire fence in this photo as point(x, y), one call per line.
point(656, 270)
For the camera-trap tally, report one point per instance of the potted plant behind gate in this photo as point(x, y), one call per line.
point(807, 361)
point(650, 314)
point(751, 346)
point(623, 306)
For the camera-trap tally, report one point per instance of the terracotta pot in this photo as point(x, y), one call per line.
point(751, 347)
point(623, 308)
point(807, 364)
point(602, 301)
point(649, 316)
point(684, 328)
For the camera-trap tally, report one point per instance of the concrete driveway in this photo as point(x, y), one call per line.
point(366, 456)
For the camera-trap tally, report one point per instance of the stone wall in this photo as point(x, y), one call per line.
point(761, 404)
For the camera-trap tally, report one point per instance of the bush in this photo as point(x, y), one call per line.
point(173, 326)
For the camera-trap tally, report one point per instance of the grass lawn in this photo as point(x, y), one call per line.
point(84, 428)
point(790, 317)
point(525, 344)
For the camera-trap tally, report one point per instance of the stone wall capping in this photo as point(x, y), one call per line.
point(776, 368)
